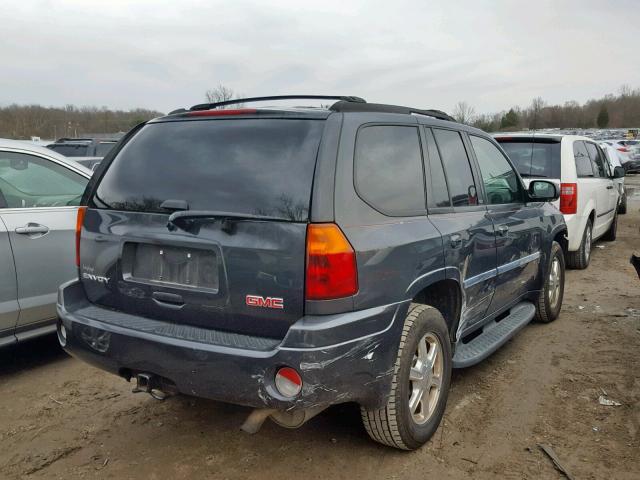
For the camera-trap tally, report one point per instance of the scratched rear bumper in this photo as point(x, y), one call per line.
point(341, 358)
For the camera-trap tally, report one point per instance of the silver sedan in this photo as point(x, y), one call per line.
point(40, 191)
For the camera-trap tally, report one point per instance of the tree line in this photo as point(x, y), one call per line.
point(25, 121)
point(621, 110)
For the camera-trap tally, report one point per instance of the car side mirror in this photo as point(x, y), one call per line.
point(618, 172)
point(543, 191)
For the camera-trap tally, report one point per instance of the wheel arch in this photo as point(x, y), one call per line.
point(561, 235)
point(445, 295)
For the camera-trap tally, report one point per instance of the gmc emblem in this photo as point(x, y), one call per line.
point(264, 302)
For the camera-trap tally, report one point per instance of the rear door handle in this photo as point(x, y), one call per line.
point(456, 240)
point(610, 187)
point(32, 229)
point(503, 230)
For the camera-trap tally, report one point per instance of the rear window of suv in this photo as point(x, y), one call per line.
point(539, 157)
point(70, 149)
point(249, 166)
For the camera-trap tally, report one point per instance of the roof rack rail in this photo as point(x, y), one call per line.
point(342, 98)
point(383, 108)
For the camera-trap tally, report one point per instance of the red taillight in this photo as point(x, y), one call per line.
point(623, 149)
point(221, 113)
point(568, 197)
point(331, 263)
point(79, 222)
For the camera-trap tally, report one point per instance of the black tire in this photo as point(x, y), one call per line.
point(394, 425)
point(622, 208)
point(548, 306)
point(610, 236)
point(579, 260)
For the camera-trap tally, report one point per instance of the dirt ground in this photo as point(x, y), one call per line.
point(60, 418)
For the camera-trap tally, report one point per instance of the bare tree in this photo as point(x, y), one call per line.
point(463, 112)
point(222, 94)
point(537, 105)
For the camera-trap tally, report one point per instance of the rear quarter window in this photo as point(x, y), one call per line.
point(248, 166)
point(584, 167)
point(388, 169)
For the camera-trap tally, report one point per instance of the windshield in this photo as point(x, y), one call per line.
point(538, 158)
point(259, 167)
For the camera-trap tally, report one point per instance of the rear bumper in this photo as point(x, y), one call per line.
point(341, 358)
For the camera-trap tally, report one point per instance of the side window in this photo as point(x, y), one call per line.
point(500, 180)
point(606, 161)
point(27, 181)
point(584, 168)
point(437, 191)
point(456, 165)
point(388, 169)
point(596, 160)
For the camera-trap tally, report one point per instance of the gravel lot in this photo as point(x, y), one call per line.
point(60, 418)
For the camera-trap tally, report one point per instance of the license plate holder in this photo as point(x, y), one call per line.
point(174, 266)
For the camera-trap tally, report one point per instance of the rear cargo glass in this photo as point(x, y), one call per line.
point(70, 150)
point(250, 166)
point(538, 158)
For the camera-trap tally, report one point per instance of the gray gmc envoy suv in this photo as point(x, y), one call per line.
point(288, 259)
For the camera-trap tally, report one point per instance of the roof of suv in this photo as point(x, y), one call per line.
point(343, 104)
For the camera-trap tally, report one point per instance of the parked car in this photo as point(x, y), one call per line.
point(83, 147)
point(39, 196)
point(632, 166)
point(627, 149)
point(291, 259)
point(613, 161)
point(588, 197)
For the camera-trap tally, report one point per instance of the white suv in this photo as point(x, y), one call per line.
point(588, 198)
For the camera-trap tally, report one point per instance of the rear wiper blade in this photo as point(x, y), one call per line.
point(531, 175)
point(184, 218)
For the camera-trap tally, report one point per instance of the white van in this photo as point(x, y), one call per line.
point(588, 197)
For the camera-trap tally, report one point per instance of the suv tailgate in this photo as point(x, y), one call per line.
point(244, 275)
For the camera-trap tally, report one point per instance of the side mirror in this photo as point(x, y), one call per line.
point(618, 172)
point(543, 191)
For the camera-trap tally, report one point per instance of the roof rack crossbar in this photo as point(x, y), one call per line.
point(210, 106)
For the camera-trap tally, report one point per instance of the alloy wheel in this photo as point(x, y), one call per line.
point(555, 280)
point(425, 378)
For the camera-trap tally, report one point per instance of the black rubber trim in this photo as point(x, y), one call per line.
point(605, 213)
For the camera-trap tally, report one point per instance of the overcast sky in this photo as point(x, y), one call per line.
point(164, 55)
